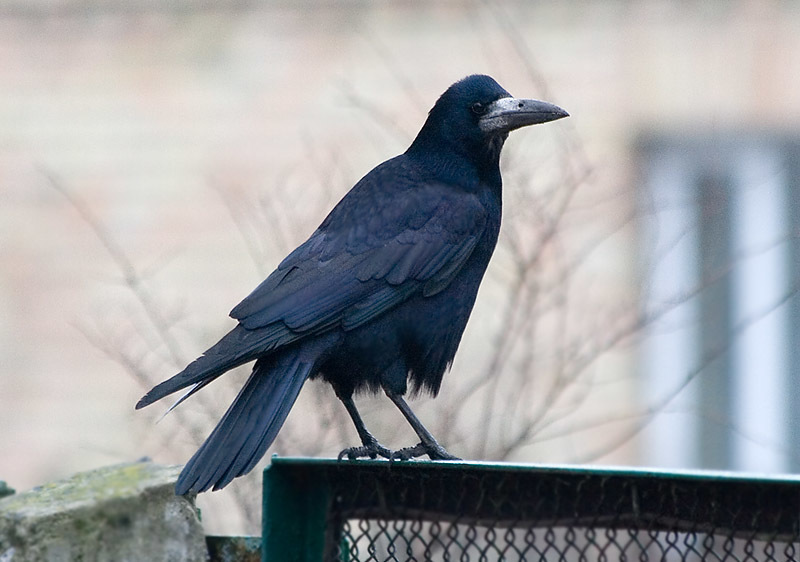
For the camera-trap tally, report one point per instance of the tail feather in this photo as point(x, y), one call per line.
point(250, 425)
point(195, 388)
point(236, 348)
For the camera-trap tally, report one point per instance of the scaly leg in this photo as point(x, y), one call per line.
point(370, 448)
point(428, 445)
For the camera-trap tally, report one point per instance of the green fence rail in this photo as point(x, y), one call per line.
point(320, 509)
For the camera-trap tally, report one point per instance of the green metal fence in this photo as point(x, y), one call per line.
point(319, 509)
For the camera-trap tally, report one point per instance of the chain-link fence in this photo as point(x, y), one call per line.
point(380, 511)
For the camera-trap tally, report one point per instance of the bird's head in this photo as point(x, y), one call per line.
point(472, 119)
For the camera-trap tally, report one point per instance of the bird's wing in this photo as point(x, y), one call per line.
point(367, 259)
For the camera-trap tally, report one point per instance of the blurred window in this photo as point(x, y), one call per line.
point(721, 264)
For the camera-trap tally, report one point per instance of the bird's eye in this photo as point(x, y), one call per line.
point(478, 108)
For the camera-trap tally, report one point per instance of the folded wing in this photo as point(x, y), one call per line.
point(315, 288)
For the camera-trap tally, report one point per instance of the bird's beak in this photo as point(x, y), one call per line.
point(507, 114)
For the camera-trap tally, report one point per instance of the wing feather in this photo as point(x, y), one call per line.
point(349, 273)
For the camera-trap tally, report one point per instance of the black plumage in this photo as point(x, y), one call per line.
point(378, 296)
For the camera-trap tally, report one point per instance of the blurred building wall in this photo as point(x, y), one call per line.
point(170, 121)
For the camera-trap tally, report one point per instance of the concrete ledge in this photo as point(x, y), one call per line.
point(127, 512)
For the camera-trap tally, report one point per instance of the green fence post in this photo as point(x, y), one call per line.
point(294, 514)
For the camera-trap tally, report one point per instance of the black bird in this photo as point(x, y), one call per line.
point(378, 296)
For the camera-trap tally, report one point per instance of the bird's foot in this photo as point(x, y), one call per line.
point(371, 449)
point(435, 451)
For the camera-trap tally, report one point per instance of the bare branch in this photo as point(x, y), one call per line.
point(131, 276)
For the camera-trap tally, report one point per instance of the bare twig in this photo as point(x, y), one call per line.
point(130, 275)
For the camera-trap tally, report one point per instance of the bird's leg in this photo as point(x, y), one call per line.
point(370, 448)
point(428, 445)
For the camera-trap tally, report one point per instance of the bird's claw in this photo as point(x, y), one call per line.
point(436, 452)
point(371, 450)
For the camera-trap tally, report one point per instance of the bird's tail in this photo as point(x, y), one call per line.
point(250, 425)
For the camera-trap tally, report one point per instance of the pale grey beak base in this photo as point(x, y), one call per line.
point(507, 114)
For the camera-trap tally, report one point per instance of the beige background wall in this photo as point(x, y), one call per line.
point(157, 117)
